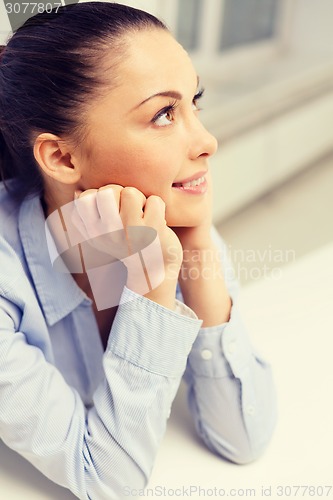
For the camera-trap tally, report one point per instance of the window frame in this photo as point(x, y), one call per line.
point(214, 63)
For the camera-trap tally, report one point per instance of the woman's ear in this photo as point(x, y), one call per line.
point(54, 158)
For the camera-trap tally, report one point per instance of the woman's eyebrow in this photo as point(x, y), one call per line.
point(168, 93)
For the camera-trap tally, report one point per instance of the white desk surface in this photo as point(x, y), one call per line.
point(291, 323)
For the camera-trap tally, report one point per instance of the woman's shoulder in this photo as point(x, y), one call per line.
point(11, 250)
point(8, 206)
point(9, 214)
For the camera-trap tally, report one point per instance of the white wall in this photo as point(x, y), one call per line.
point(313, 26)
point(252, 164)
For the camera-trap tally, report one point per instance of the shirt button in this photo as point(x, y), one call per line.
point(232, 347)
point(206, 354)
point(250, 410)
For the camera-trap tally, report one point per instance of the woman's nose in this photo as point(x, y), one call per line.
point(203, 143)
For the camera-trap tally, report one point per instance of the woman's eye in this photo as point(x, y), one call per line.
point(165, 117)
point(196, 98)
point(195, 105)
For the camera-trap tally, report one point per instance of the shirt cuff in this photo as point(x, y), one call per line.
point(222, 350)
point(183, 309)
point(151, 336)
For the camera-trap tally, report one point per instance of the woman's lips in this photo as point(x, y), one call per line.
point(195, 186)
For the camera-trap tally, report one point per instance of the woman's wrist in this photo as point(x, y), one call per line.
point(164, 294)
point(203, 285)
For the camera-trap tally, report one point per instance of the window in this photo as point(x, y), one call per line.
point(247, 22)
point(214, 30)
point(237, 23)
point(188, 23)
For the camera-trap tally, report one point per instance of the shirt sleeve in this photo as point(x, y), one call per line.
point(101, 451)
point(231, 391)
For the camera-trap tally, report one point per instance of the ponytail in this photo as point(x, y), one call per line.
point(5, 159)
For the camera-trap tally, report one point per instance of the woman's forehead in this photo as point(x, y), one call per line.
point(153, 56)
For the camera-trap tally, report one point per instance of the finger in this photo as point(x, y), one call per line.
point(86, 206)
point(87, 192)
point(132, 202)
point(116, 188)
point(71, 217)
point(154, 213)
point(108, 200)
point(85, 215)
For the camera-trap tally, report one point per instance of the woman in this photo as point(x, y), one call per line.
point(99, 104)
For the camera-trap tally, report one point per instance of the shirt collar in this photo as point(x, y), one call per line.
point(57, 292)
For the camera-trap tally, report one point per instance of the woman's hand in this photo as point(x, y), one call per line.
point(201, 276)
point(122, 222)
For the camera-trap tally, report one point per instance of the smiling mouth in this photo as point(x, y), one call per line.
point(196, 182)
point(197, 186)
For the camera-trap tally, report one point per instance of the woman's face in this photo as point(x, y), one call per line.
point(146, 132)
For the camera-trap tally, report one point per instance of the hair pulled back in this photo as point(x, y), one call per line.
point(49, 70)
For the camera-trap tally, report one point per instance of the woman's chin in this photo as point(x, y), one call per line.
point(185, 221)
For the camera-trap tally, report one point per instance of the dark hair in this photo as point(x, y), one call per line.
point(49, 70)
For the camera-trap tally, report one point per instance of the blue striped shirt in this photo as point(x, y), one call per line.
point(92, 420)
